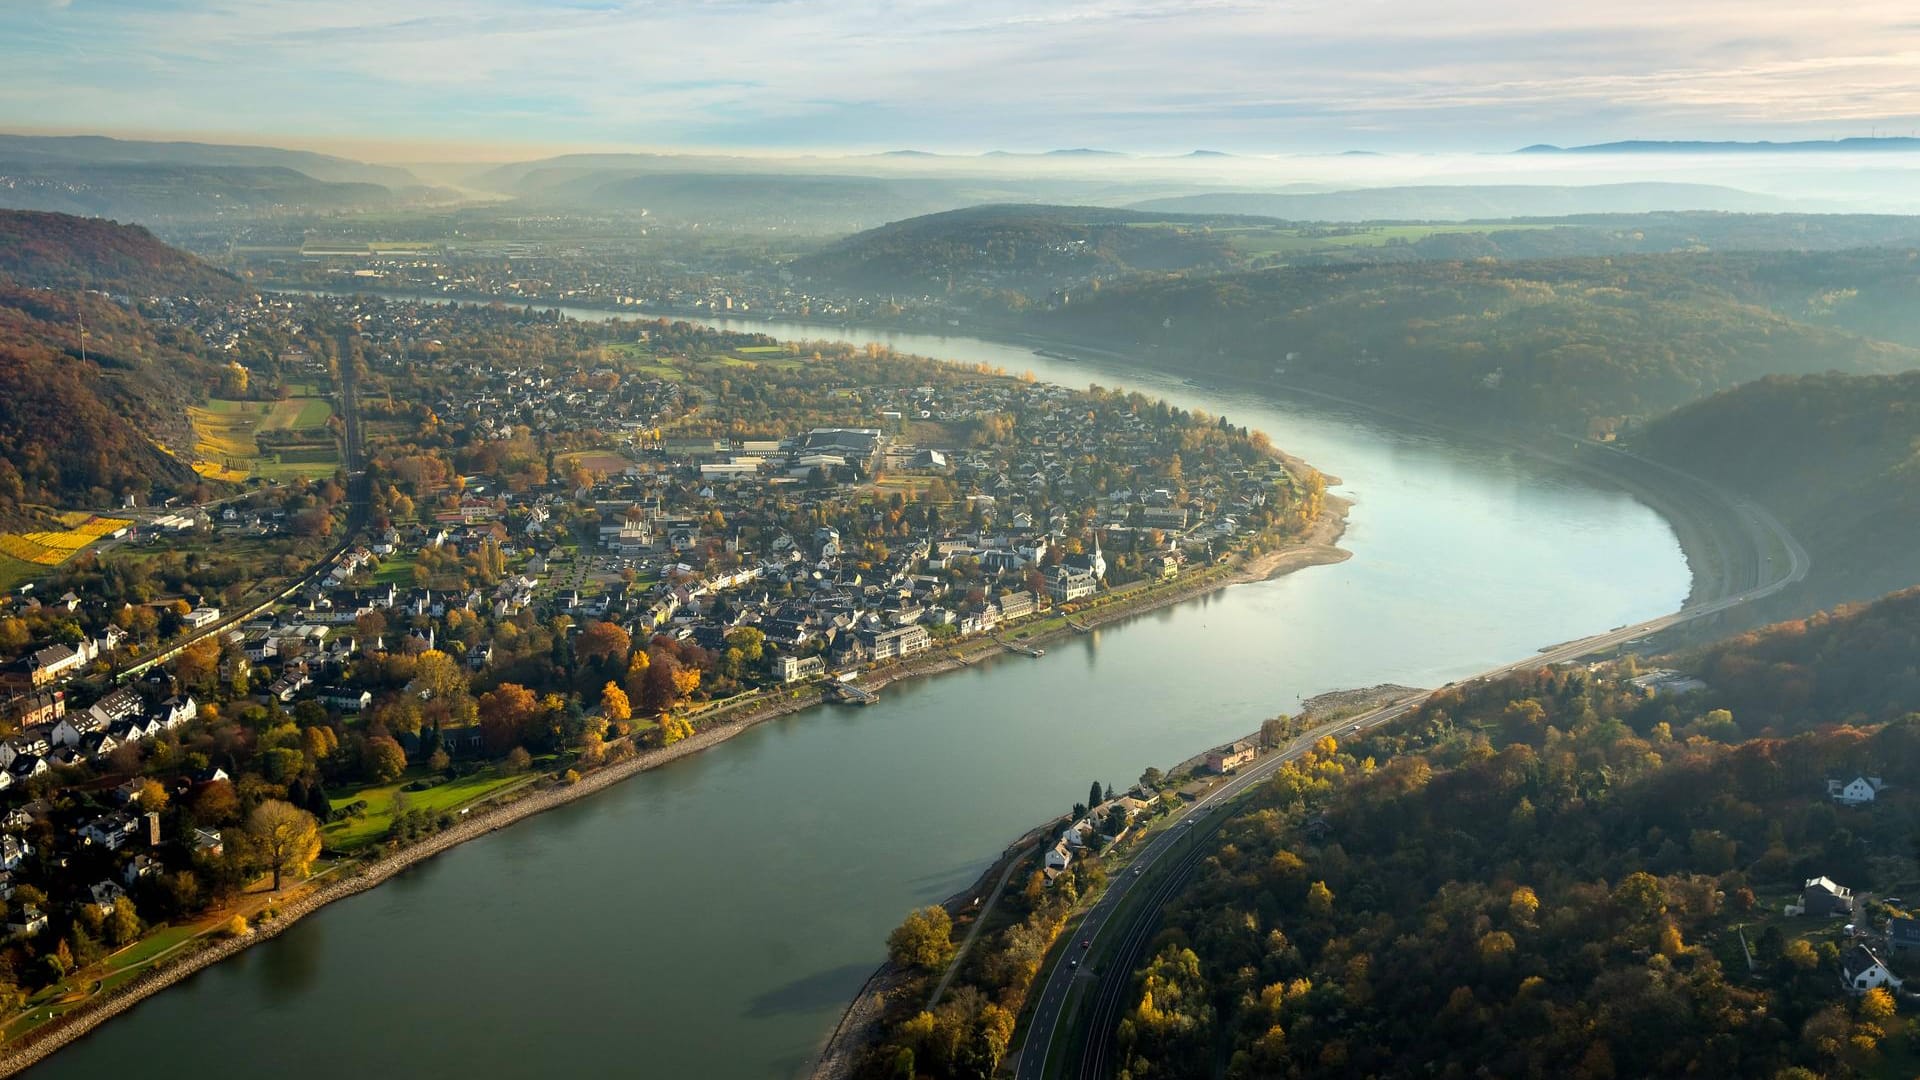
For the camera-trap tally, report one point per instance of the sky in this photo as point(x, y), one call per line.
point(445, 79)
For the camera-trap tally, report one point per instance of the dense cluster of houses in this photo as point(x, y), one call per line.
point(47, 734)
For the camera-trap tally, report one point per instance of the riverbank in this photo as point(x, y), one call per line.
point(548, 795)
point(1317, 547)
point(860, 1025)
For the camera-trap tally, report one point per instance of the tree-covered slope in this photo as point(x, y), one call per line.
point(1836, 457)
point(83, 423)
point(1017, 248)
point(1558, 343)
point(1548, 875)
point(64, 252)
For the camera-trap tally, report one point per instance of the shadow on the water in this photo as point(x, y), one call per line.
point(812, 992)
point(948, 881)
point(290, 963)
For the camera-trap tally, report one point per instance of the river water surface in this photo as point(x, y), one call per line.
point(711, 918)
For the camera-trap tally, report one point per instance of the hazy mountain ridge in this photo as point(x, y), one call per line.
point(1732, 146)
point(101, 150)
point(1441, 202)
point(163, 192)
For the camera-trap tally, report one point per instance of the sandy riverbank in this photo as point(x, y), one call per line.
point(1318, 547)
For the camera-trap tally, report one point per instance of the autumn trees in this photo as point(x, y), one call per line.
point(286, 837)
point(602, 641)
point(1553, 879)
point(923, 940)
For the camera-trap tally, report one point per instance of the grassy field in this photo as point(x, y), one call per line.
point(351, 833)
point(906, 483)
point(765, 356)
point(640, 360)
point(227, 439)
point(15, 573)
point(395, 570)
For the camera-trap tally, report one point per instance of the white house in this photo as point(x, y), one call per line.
point(111, 831)
point(1854, 792)
point(1059, 857)
point(27, 922)
point(1861, 969)
point(13, 851)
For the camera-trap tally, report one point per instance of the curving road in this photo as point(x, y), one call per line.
point(1116, 938)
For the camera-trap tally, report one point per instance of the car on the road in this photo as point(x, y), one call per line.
point(1086, 942)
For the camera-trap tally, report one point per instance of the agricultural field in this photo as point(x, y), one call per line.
point(274, 440)
point(607, 462)
point(48, 548)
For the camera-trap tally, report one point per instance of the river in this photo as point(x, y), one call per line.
point(711, 918)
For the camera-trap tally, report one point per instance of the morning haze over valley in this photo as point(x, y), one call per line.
point(1112, 540)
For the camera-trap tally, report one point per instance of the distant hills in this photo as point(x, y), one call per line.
point(154, 181)
point(1467, 202)
point(100, 150)
point(163, 192)
point(1696, 146)
point(1023, 249)
point(790, 196)
point(77, 431)
point(1554, 342)
point(808, 201)
point(1038, 249)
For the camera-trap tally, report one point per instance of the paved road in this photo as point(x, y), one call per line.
point(1160, 868)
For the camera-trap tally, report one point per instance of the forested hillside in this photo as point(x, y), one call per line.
point(1858, 664)
point(1836, 457)
point(60, 251)
point(1018, 249)
point(1559, 343)
point(1551, 875)
point(77, 431)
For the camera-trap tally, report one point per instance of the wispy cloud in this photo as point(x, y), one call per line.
point(1148, 74)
